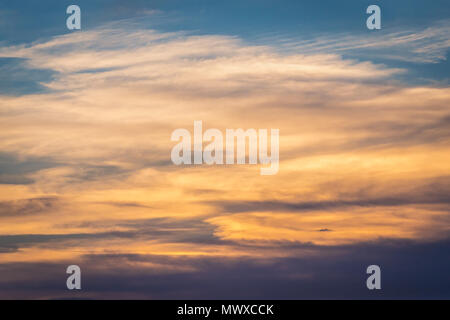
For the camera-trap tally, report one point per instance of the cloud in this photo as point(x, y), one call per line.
point(364, 159)
point(415, 209)
point(17, 79)
point(25, 207)
point(336, 274)
point(427, 45)
point(16, 170)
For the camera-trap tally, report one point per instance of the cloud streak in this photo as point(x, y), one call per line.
point(426, 45)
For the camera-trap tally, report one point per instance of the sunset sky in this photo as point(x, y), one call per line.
point(86, 177)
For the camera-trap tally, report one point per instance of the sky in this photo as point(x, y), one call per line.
point(86, 176)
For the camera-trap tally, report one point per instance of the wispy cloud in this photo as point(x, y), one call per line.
point(427, 45)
